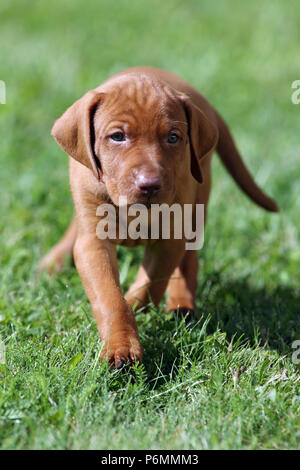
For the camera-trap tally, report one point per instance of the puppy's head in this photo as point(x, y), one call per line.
point(138, 136)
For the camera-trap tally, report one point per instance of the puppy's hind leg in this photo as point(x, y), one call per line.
point(54, 261)
point(182, 286)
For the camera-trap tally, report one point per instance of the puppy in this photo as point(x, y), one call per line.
point(149, 136)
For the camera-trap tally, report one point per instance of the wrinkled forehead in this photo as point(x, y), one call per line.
point(140, 101)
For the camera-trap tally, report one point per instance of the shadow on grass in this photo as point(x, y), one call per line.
point(267, 317)
point(237, 307)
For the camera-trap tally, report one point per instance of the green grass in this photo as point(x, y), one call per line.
point(228, 381)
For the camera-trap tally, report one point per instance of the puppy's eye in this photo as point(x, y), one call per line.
point(118, 136)
point(173, 138)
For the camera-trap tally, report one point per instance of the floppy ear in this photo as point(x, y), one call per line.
point(203, 135)
point(74, 131)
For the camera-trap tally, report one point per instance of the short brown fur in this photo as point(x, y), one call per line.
point(146, 104)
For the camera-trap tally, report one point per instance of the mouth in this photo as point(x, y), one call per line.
point(129, 200)
point(147, 199)
point(148, 202)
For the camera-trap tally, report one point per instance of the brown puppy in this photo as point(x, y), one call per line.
point(147, 135)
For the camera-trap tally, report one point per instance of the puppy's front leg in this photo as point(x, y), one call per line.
point(96, 262)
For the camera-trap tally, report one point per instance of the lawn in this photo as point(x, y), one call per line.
point(228, 380)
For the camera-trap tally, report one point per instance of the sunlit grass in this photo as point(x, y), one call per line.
point(228, 380)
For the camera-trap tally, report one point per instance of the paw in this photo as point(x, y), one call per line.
point(122, 349)
point(52, 263)
point(183, 312)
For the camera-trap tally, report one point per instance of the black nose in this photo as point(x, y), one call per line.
point(148, 185)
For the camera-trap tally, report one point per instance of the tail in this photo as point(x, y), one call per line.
point(233, 162)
